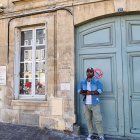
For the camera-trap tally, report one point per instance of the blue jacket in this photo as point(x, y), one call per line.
point(95, 85)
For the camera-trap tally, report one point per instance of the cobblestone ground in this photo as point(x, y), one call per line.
point(20, 132)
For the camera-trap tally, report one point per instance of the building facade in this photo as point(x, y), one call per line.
point(45, 48)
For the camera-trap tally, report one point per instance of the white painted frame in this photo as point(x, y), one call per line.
point(18, 31)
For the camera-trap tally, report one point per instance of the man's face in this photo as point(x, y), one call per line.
point(90, 73)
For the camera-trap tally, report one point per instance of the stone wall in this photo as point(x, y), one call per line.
point(58, 110)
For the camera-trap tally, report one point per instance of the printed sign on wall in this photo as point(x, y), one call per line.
point(65, 86)
point(2, 75)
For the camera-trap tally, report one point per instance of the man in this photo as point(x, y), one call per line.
point(90, 88)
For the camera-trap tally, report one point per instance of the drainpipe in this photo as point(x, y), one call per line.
point(31, 14)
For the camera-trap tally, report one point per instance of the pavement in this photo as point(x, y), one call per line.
point(21, 132)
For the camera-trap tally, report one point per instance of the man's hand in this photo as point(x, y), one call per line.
point(96, 92)
point(83, 92)
point(89, 92)
point(92, 92)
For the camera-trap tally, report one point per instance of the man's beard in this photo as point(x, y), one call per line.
point(90, 76)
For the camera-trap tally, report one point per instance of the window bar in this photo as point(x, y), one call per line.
point(46, 64)
point(33, 62)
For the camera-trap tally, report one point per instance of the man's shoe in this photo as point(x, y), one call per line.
point(101, 138)
point(90, 137)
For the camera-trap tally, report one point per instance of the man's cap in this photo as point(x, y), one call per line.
point(90, 69)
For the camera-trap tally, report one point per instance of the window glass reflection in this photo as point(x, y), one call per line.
point(26, 38)
point(40, 36)
point(25, 86)
point(40, 86)
point(26, 54)
point(32, 54)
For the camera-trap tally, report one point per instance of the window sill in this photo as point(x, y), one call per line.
point(32, 98)
point(29, 105)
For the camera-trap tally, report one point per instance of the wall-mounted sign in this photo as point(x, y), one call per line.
point(120, 10)
point(2, 75)
point(65, 86)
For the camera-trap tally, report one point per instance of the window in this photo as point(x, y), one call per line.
point(26, 67)
point(27, 77)
point(32, 62)
point(26, 55)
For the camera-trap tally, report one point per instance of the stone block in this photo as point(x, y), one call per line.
point(120, 4)
point(29, 119)
point(47, 122)
point(57, 106)
point(9, 116)
point(2, 93)
point(132, 5)
point(52, 123)
point(3, 55)
point(76, 129)
point(89, 11)
point(61, 125)
point(29, 105)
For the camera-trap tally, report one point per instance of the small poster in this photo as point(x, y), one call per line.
point(2, 75)
point(65, 86)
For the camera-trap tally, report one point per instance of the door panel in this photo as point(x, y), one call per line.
point(97, 47)
point(92, 37)
point(109, 115)
point(131, 71)
point(98, 62)
point(135, 118)
point(135, 93)
point(113, 45)
point(97, 36)
point(134, 30)
point(135, 79)
point(106, 63)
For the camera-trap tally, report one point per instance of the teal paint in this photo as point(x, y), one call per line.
point(113, 45)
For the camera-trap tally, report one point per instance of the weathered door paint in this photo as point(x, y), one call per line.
point(113, 45)
point(131, 73)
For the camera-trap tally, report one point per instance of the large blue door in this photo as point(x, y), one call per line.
point(113, 45)
point(131, 73)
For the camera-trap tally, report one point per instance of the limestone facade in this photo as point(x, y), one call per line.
point(57, 110)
